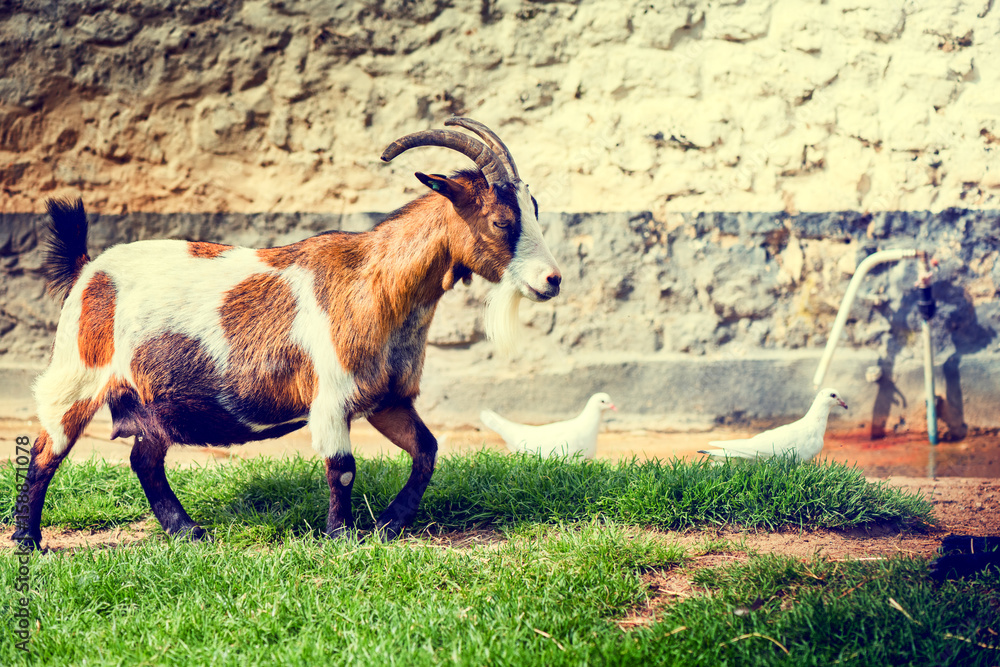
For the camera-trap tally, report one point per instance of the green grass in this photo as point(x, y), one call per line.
point(548, 595)
point(577, 545)
point(864, 613)
point(261, 500)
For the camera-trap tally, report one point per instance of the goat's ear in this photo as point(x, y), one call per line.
point(445, 186)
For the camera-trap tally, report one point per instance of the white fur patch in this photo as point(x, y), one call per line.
point(346, 478)
point(58, 388)
point(258, 428)
point(159, 288)
point(162, 288)
point(311, 330)
point(67, 379)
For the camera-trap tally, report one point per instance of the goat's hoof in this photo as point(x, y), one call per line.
point(342, 532)
point(193, 533)
point(387, 532)
point(26, 542)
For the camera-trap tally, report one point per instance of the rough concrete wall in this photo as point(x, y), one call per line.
point(701, 289)
point(687, 105)
point(699, 131)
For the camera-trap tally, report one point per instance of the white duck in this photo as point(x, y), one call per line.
point(803, 438)
point(577, 435)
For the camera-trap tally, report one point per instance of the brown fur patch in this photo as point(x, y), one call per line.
point(96, 337)
point(207, 250)
point(115, 389)
point(272, 378)
point(285, 256)
point(169, 367)
point(41, 451)
point(380, 288)
point(123, 400)
point(485, 248)
point(77, 417)
point(181, 397)
point(365, 285)
point(397, 426)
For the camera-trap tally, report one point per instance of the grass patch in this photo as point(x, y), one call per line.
point(547, 595)
point(87, 495)
point(311, 601)
point(865, 613)
point(262, 500)
point(570, 567)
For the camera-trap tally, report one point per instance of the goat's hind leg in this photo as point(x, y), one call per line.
point(46, 455)
point(403, 426)
point(43, 465)
point(148, 454)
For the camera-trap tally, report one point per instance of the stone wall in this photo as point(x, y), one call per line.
point(718, 292)
point(608, 105)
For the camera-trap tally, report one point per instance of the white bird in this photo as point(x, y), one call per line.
point(577, 435)
point(803, 438)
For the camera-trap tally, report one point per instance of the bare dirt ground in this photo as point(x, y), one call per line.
point(963, 504)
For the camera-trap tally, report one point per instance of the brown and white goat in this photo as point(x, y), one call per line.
point(209, 344)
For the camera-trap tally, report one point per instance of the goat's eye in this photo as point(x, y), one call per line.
point(502, 223)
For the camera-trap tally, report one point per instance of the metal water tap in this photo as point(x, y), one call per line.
point(926, 304)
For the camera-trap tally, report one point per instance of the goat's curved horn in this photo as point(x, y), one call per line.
point(491, 139)
point(487, 161)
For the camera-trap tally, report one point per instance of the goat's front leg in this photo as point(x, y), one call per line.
point(403, 426)
point(332, 439)
point(340, 470)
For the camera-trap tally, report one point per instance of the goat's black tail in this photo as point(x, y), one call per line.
point(66, 248)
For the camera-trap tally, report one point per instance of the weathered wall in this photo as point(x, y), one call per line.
point(687, 105)
point(673, 150)
point(719, 297)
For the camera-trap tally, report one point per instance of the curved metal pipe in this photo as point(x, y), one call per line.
point(866, 265)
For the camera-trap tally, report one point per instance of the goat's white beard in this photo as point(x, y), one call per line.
point(500, 317)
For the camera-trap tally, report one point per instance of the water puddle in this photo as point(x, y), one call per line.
point(897, 455)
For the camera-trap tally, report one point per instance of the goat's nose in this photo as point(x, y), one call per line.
point(554, 279)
